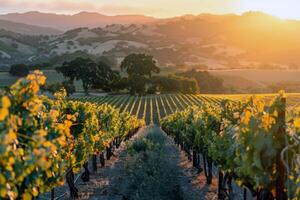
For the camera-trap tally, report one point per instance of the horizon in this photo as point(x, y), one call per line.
point(278, 8)
point(154, 17)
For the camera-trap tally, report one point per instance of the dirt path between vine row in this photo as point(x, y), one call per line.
point(161, 173)
point(158, 174)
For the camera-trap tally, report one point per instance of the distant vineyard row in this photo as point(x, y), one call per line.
point(151, 108)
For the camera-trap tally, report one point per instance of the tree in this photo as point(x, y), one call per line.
point(117, 83)
point(104, 77)
point(206, 82)
point(55, 87)
point(79, 69)
point(20, 70)
point(175, 84)
point(139, 64)
point(93, 75)
point(139, 68)
point(137, 84)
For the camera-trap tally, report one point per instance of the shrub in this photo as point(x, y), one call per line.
point(19, 70)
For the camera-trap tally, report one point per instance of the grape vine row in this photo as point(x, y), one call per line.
point(44, 141)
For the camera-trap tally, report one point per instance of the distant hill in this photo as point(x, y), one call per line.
point(82, 19)
point(250, 41)
point(27, 29)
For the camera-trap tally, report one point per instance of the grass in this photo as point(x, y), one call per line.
point(147, 166)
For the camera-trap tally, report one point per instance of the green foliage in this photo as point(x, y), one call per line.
point(19, 70)
point(42, 138)
point(93, 75)
point(139, 64)
point(140, 145)
point(56, 87)
point(243, 139)
point(175, 84)
point(139, 68)
point(207, 83)
point(137, 84)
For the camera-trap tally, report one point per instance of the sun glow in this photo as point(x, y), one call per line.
point(285, 9)
point(157, 8)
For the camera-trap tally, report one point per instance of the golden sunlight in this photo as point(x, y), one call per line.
point(285, 9)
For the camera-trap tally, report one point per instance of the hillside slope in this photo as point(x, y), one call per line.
point(249, 41)
point(82, 19)
point(27, 29)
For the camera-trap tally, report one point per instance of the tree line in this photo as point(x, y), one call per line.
point(135, 75)
point(138, 75)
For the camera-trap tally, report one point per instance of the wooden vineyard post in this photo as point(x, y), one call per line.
point(52, 194)
point(195, 158)
point(102, 160)
point(280, 136)
point(94, 162)
point(210, 176)
point(245, 194)
point(220, 185)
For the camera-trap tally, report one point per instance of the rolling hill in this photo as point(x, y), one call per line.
point(82, 19)
point(27, 29)
point(249, 41)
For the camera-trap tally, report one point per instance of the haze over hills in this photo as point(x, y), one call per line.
point(27, 29)
point(82, 19)
point(206, 41)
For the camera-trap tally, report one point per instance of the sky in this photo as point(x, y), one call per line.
point(157, 8)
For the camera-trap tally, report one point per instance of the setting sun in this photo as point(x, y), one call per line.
point(280, 8)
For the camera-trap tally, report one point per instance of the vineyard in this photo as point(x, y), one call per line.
point(150, 108)
point(153, 108)
point(252, 142)
point(44, 142)
point(217, 129)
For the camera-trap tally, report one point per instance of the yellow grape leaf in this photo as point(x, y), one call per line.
point(44, 163)
point(68, 123)
point(5, 102)
point(35, 191)
point(11, 161)
point(247, 116)
point(297, 123)
point(10, 137)
point(3, 192)
point(2, 179)
point(42, 80)
point(54, 114)
point(26, 196)
point(3, 113)
point(47, 144)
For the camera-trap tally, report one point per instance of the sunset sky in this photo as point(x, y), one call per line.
point(158, 8)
